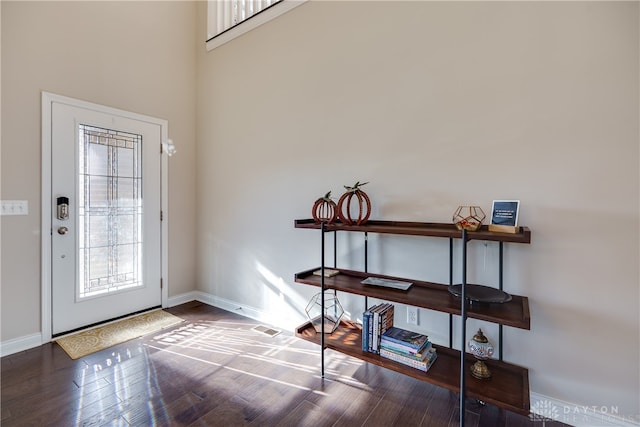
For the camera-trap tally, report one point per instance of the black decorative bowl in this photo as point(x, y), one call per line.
point(481, 294)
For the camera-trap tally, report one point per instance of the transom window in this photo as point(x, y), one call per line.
point(228, 19)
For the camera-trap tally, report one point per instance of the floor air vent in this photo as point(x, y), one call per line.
point(267, 331)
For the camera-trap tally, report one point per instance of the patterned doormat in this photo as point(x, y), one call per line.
point(95, 339)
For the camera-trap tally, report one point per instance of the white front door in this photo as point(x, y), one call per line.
point(105, 215)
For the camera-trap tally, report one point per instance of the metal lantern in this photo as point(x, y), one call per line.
point(333, 312)
point(468, 217)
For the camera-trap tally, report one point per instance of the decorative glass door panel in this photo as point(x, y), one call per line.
point(110, 211)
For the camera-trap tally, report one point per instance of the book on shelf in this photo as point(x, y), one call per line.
point(406, 338)
point(371, 328)
point(375, 327)
point(365, 330)
point(403, 348)
point(426, 357)
point(381, 322)
point(375, 321)
point(420, 355)
point(328, 272)
point(422, 365)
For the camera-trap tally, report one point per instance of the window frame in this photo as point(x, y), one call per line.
point(248, 24)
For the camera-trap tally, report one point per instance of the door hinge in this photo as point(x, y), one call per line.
point(161, 149)
point(161, 284)
point(161, 216)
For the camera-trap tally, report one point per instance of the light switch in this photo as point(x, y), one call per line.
point(15, 207)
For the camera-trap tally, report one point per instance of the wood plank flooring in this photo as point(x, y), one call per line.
point(214, 370)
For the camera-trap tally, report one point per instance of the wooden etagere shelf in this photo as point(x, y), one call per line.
point(508, 388)
point(509, 385)
point(427, 295)
point(427, 229)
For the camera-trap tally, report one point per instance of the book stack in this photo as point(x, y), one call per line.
point(407, 347)
point(375, 321)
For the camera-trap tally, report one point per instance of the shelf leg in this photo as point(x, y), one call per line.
point(500, 285)
point(366, 252)
point(335, 265)
point(322, 227)
point(366, 265)
point(500, 265)
point(335, 249)
point(451, 284)
point(463, 332)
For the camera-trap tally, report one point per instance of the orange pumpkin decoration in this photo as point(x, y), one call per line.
point(324, 209)
point(364, 205)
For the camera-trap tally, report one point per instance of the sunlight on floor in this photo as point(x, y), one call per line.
point(239, 340)
point(231, 346)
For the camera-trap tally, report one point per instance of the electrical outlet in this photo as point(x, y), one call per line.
point(412, 315)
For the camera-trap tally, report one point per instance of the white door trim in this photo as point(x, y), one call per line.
point(47, 99)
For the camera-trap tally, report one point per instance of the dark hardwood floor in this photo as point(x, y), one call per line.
point(214, 370)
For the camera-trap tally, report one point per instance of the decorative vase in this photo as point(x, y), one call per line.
point(468, 217)
point(333, 312)
point(364, 205)
point(482, 349)
point(324, 210)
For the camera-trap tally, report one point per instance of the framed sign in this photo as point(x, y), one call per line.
point(504, 216)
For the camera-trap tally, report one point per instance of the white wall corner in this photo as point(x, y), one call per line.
point(544, 407)
point(19, 344)
point(182, 299)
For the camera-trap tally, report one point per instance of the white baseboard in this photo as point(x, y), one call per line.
point(225, 304)
point(579, 415)
point(239, 308)
point(27, 342)
point(20, 344)
point(182, 298)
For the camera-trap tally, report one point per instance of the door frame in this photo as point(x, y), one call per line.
point(47, 199)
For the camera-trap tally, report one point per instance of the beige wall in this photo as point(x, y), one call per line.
point(438, 104)
point(136, 56)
